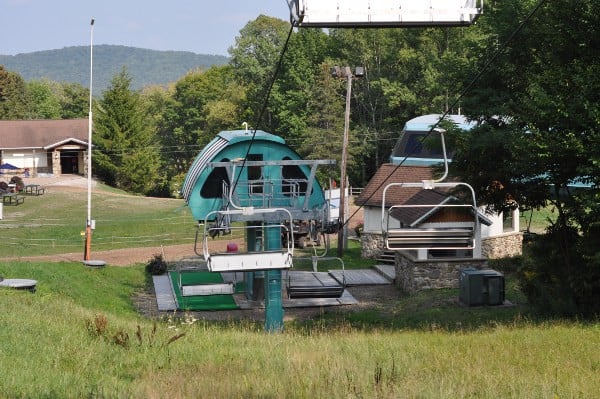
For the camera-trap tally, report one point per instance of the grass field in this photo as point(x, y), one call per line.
point(80, 334)
point(54, 222)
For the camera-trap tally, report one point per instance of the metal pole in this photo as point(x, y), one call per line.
point(273, 289)
point(342, 233)
point(88, 225)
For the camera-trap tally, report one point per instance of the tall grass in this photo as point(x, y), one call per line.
point(80, 336)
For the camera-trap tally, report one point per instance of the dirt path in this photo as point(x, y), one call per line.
point(121, 257)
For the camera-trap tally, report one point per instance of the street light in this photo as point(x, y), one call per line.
point(90, 224)
point(345, 73)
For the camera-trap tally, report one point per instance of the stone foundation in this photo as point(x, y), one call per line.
point(504, 246)
point(416, 275)
point(371, 245)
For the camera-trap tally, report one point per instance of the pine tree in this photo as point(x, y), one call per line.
point(125, 154)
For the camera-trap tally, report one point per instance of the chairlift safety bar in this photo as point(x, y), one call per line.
point(248, 261)
point(414, 238)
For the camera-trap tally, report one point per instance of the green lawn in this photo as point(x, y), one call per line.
point(54, 222)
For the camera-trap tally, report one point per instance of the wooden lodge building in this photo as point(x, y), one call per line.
point(45, 147)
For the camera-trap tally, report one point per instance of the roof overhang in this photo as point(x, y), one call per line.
point(20, 148)
point(65, 141)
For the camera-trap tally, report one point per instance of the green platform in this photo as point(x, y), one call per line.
point(202, 302)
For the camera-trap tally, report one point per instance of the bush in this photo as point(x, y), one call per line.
point(157, 265)
point(358, 229)
point(560, 273)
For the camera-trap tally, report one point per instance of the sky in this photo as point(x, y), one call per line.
point(199, 26)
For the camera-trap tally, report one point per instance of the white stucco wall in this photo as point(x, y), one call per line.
point(25, 158)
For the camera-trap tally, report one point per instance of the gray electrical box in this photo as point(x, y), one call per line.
point(481, 287)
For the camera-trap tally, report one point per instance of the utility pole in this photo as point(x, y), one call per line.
point(345, 73)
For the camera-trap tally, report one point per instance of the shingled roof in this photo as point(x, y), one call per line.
point(42, 133)
point(411, 216)
point(372, 194)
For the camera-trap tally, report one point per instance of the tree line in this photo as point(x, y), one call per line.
point(527, 71)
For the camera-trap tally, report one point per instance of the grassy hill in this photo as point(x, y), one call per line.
point(72, 64)
point(81, 335)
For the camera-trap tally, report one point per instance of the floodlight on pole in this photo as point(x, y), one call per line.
point(345, 73)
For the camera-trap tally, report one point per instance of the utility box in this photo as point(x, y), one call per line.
point(481, 287)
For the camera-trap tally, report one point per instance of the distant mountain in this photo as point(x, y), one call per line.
point(72, 64)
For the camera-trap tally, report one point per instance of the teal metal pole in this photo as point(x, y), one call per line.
point(273, 301)
point(254, 280)
point(249, 276)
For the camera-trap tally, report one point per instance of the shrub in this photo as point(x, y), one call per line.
point(358, 229)
point(157, 265)
point(560, 273)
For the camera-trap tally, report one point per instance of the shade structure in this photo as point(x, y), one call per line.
point(8, 166)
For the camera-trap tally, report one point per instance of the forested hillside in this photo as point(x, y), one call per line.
point(72, 65)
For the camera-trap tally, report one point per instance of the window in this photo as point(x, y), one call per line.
point(213, 186)
point(416, 145)
point(449, 253)
point(294, 180)
point(255, 179)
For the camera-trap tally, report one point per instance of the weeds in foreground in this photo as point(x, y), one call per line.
point(98, 328)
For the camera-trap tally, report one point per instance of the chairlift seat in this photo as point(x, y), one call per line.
point(429, 238)
point(208, 289)
point(316, 284)
point(234, 262)
point(313, 285)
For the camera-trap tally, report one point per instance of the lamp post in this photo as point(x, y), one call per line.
point(345, 73)
point(89, 224)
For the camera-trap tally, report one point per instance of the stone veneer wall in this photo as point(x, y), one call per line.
point(56, 163)
point(371, 245)
point(415, 275)
point(504, 246)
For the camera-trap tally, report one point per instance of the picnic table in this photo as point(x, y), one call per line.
point(12, 199)
point(33, 189)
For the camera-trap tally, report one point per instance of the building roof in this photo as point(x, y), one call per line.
point(372, 194)
point(411, 216)
point(42, 133)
